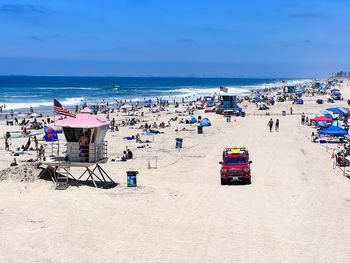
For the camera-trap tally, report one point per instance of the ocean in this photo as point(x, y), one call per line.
point(21, 92)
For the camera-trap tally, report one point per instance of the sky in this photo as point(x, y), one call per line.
point(206, 38)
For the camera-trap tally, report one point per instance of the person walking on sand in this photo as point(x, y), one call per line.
point(270, 124)
point(291, 111)
point(7, 141)
point(303, 119)
point(277, 125)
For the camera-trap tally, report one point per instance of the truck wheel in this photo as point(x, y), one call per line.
point(223, 182)
point(248, 181)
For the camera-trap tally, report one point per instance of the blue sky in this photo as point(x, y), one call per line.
point(175, 38)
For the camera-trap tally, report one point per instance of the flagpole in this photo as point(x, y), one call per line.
point(54, 115)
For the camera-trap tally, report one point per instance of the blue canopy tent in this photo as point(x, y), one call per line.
point(300, 101)
point(336, 93)
point(335, 110)
point(321, 124)
point(323, 89)
point(334, 90)
point(92, 108)
point(334, 130)
point(256, 98)
point(193, 119)
point(148, 101)
point(238, 108)
point(336, 124)
point(50, 134)
point(328, 115)
point(210, 101)
point(205, 122)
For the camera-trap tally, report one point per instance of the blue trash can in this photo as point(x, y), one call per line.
point(131, 178)
point(178, 142)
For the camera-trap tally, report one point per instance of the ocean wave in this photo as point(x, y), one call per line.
point(22, 96)
point(67, 88)
point(27, 105)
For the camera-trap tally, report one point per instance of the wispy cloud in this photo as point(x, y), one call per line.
point(21, 9)
point(306, 16)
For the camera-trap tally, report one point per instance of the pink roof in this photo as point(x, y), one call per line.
point(87, 109)
point(83, 120)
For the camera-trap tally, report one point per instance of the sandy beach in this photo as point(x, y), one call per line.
point(295, 210)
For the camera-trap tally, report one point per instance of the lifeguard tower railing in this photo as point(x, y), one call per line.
point(92, 153)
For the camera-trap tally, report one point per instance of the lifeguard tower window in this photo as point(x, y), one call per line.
point(229, 101)
point(73, 134)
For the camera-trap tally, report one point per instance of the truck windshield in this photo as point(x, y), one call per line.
point(235, 160)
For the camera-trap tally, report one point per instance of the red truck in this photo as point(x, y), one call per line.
point(235, 166)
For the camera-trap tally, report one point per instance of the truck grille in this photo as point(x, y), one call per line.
point(235, 172)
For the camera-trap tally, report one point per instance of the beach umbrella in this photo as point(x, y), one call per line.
point(193, 119)
point(334, 90)
point(22, 115)
point(34, 114)
point(148, 101)
point(335, 110)
point(210, 101)
point(322, 89)
point(322, 118)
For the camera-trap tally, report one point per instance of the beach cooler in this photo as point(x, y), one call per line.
point(179, 142)
point(131, 178)
point(228, 119)
point(200, 129)
point(242, 114)
point(9, 122)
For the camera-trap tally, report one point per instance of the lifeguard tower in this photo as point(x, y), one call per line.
point(228, 101)
point(290, 88)
point(85, 147)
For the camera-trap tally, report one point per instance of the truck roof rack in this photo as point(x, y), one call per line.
point(235, 150)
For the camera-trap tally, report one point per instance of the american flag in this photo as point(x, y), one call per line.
point(58, 108)
point(223, 89)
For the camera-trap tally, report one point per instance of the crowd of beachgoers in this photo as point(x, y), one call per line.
point(137, 115)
